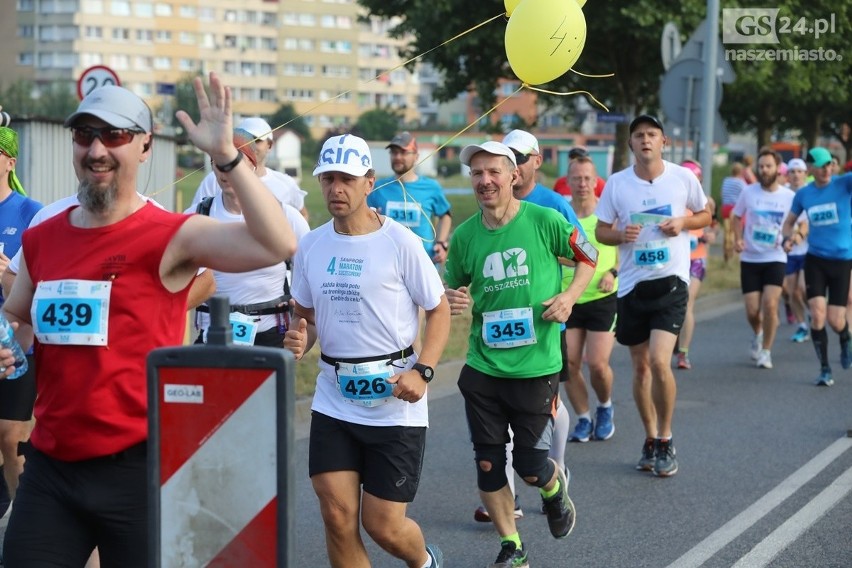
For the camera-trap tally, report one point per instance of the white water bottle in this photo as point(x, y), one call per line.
point(7, 340)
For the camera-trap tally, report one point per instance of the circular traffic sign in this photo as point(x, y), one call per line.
point(95, 77)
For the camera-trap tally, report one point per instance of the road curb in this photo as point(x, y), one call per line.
point(447, 372)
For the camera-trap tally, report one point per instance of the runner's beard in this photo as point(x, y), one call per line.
point(767, 180)
point(97, 198)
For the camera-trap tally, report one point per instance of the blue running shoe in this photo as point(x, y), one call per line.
point(582, 431)
point(824, 379)
point(846, 354)
point(802, 334)
point(436, 555)
point(604, 428)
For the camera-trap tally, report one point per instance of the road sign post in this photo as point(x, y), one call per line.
point(220, 453)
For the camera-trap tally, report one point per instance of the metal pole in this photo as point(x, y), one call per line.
point(687, 121)
point(708, 102)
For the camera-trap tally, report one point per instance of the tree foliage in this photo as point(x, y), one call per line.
point(22, 99)
point(287, 117)
point(377, 124)
point(623, 38)
point(812, 97)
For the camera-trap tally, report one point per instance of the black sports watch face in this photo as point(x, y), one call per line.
point(425, 371)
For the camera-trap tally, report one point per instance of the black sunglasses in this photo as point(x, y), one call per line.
point(110, 137)
point(522, 159)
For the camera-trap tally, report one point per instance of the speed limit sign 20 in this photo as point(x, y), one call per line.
point(95, 77)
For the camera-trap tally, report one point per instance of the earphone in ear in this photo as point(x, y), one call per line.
point(147, 146)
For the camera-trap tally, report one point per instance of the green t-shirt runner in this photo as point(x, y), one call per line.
point(510, 271)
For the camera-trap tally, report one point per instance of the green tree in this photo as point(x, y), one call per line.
point(623, 37)
point(377, 124)
point(58, 101)
point(287, 117)
point(17, 99)
point(813, 97)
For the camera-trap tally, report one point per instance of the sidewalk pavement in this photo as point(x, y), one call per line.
point(447, 372)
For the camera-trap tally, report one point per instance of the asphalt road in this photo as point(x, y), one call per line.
point(765, 471)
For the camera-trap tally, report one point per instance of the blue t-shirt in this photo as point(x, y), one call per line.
point(414, 206)
point(16, 212)
point(545, 197)
point(829, 212)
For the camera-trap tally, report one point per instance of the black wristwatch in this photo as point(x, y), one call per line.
point(427, 372)
point(614, 272)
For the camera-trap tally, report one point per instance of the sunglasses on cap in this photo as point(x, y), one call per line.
point(522, 159)
point(109, 137)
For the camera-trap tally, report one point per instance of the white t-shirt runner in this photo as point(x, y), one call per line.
point(762, 215)
point(283, 187)
point(628, 199)
point(254, 286)
point(365, 291)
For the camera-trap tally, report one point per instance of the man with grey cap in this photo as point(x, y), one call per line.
point(284, 187)
point(415, 200)
point(359, 281)
point(643, 210)
point(114, 290)
point(828, 261)
point(507, 256)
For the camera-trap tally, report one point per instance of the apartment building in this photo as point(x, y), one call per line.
point(316, 54)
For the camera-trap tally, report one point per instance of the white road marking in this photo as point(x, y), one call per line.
point(722, 536)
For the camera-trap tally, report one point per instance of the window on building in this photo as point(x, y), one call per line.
point(119, 61)
point(268, 43)
point(119, 8)
point(143, 63)
point(92, 6)
point(25, 6)
point(120, 34)
point(207, 14)
point(267, 95)
point(89, 59)
point(186, 64)
point(186, 11)
point(162, 63)
point(144, 36)
point(143, 10)
point(25, 58)
point(162, 9)
point(163, 36)
point(187, 38)
point(26, 31)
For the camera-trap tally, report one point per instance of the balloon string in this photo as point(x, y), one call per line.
point(376, 78)
point(459, 133)
point(592, 76)
point(587, 93)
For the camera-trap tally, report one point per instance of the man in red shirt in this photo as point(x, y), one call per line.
point(108, 281)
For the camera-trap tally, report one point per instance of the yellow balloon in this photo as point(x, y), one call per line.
point(544, 38)
point(512, 4)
